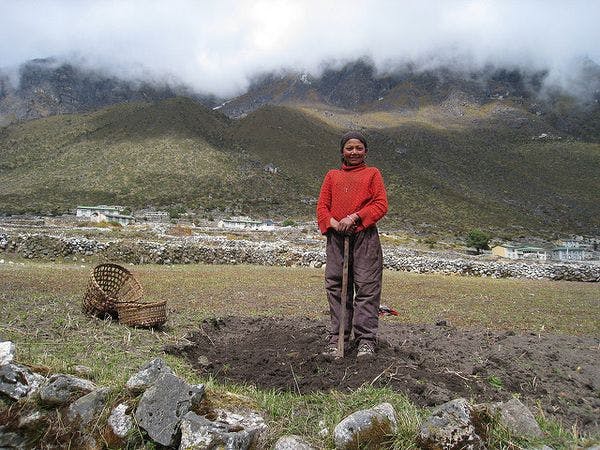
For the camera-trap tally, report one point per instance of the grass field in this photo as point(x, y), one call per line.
point(40, 306)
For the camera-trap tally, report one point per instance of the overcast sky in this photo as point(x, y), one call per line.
point(217, 46)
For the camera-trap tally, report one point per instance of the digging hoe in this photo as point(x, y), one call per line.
point(343, 298)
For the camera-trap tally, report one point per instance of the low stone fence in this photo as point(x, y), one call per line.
point(220, 250)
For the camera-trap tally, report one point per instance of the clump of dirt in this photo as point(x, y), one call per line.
point(430, 364)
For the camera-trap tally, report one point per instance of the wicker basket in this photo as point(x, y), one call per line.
point(110, 284)
point(137, 314)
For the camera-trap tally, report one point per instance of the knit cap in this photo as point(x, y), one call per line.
point(353, 135)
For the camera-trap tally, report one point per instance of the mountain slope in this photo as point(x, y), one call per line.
point(497, 173)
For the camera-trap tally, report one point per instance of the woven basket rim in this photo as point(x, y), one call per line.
point(101, 301)
point(144, 314)
point(139, 305)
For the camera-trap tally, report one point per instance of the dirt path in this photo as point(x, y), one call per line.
point(430, 364)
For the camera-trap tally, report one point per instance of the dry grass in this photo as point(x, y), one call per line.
point(41, 307)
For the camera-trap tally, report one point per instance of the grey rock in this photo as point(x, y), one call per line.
point(292, 443)
point(450, 426)
point(18, 381)
point(86, 408)
point(12, 440)
point(82, 371)
point(119, 422)
point(164, 404)
point(7, 352)
point(517, 418)
point(543, 447)
point(148, 374)
point(368, 427)
point(227, 432)
point(31, 421)
point(62, 389)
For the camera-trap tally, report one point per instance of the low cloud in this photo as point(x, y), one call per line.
point(218, 46)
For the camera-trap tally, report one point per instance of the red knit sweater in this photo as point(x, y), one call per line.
point(352, 189)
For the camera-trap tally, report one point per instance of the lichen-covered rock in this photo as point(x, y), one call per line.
point(118, 427)
point(7, 352)
point(147, 375)
point(366, 428)
point(292, 443)
point(62, 389)
point(451, 426)
point(227, 431)
point(86, 408)
point(18, 381)
point(516, 418)
point(164, 404)
point(119, 421)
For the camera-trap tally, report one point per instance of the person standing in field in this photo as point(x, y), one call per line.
point(351, 202)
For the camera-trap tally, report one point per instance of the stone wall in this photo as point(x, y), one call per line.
point(220, 250)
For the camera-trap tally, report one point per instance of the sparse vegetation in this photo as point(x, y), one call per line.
point(478, 240)
point(495, 382)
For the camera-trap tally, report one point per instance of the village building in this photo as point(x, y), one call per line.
point(152, 215)
point(271, 168)
point(522, 252)
point(246, 223)
point(89, 211)
point(573, 250)
point(566, 253)
point(505, 251)
point(104, 213)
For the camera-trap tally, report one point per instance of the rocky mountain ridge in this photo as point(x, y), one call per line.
point(47, 87)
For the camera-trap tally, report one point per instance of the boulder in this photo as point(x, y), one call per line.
point(18, 381)
point(7, 352)
point(229, 430)
point(148, 374)
point(62, 389)
point(86, 408)
point(164, 404)
point(516, 418)
point(366, 428)
point(450, 426)
point(292, 443)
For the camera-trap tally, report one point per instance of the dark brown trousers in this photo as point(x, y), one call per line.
point(365, 269)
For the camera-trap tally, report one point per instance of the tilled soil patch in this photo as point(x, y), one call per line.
point(555, 375)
